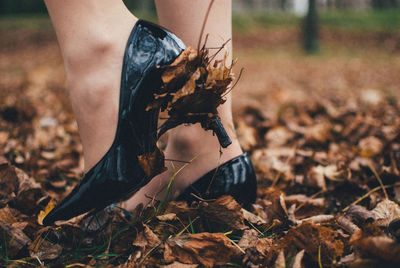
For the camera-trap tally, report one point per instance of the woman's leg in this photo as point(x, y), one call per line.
point(92, 35)
point(185, 18)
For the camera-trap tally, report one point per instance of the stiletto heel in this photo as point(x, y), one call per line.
point(219, 130)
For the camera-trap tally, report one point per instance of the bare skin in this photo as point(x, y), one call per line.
point(92, 36)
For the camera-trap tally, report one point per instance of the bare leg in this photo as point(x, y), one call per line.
point(92, 35)
point(185, 18)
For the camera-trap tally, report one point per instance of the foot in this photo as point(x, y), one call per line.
point(198, 152)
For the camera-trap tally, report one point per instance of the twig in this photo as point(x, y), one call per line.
point(237, 81)
point(204, 23)
point(148, 253)
point(179, 161)
point(379, 179)
point(218, 51)
point(236, 245)
point(186, 227)
point(368, 193)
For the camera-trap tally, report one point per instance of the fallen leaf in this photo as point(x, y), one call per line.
point(360, 215)
point(29, 192)
point(146, 239)
point(152, 163)
point(280, 261)
point(15, 239)
point(92, 223)
point(385, 212)
point(370, 146)
point(203, 248)
point(252, 218)
point(298, 259)
point(8, 180)
point(248, 239)
point(167, 217)
point(316, 177)
point(224, 210)
point(379, 246)
point(44, 249)
point(193, 89)
point(247, 135)
point(8, 215)
point(47, 209)
point(278, 136)
point(176, 264)
point(314, 239)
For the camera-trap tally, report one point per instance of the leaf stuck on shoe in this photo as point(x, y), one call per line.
point(192, 90)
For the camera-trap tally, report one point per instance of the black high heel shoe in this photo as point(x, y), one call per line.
point(119, 172)
point(235, 177)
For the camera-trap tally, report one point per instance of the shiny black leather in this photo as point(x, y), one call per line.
point(118, 174)
point(235, 177)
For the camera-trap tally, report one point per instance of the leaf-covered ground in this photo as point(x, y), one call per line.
point(323, 133)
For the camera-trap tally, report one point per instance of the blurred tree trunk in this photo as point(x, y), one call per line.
point(310, 29)
point(283, 4)
point(384, 3)
point(10, 7)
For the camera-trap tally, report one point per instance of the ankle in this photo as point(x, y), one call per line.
point(187, 142)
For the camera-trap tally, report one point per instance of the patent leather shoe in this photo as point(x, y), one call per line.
point(235, 177)
point(119, 174)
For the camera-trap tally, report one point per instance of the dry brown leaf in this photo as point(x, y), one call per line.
point(280, 260)
point(167, 217)
point(8, 180)
point(203, 248)
point(303, 200)
point(16, 240)
point(192, 90)
point(47, 209)
point(95, 222)
point(264, 246)
point(252, 218)
point(152, 163)
point(370, 146)
point(8, 215)
point(316, 178)
point(278, 136)
point(360, 215)
point(248, 239)
point(298, 259)
point(275, 206)
point(318, 133)
point(385, 212)
point(176, 264)
point(379, 246)
point(273, 163)
point(44, 249)
point(29, 192)
point(146, 239)
point(247, 135)
point(314, 238)
point(224, 210)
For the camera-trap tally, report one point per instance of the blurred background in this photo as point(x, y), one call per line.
point(319, 53)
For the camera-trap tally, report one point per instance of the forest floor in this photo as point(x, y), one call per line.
point(323, 132)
